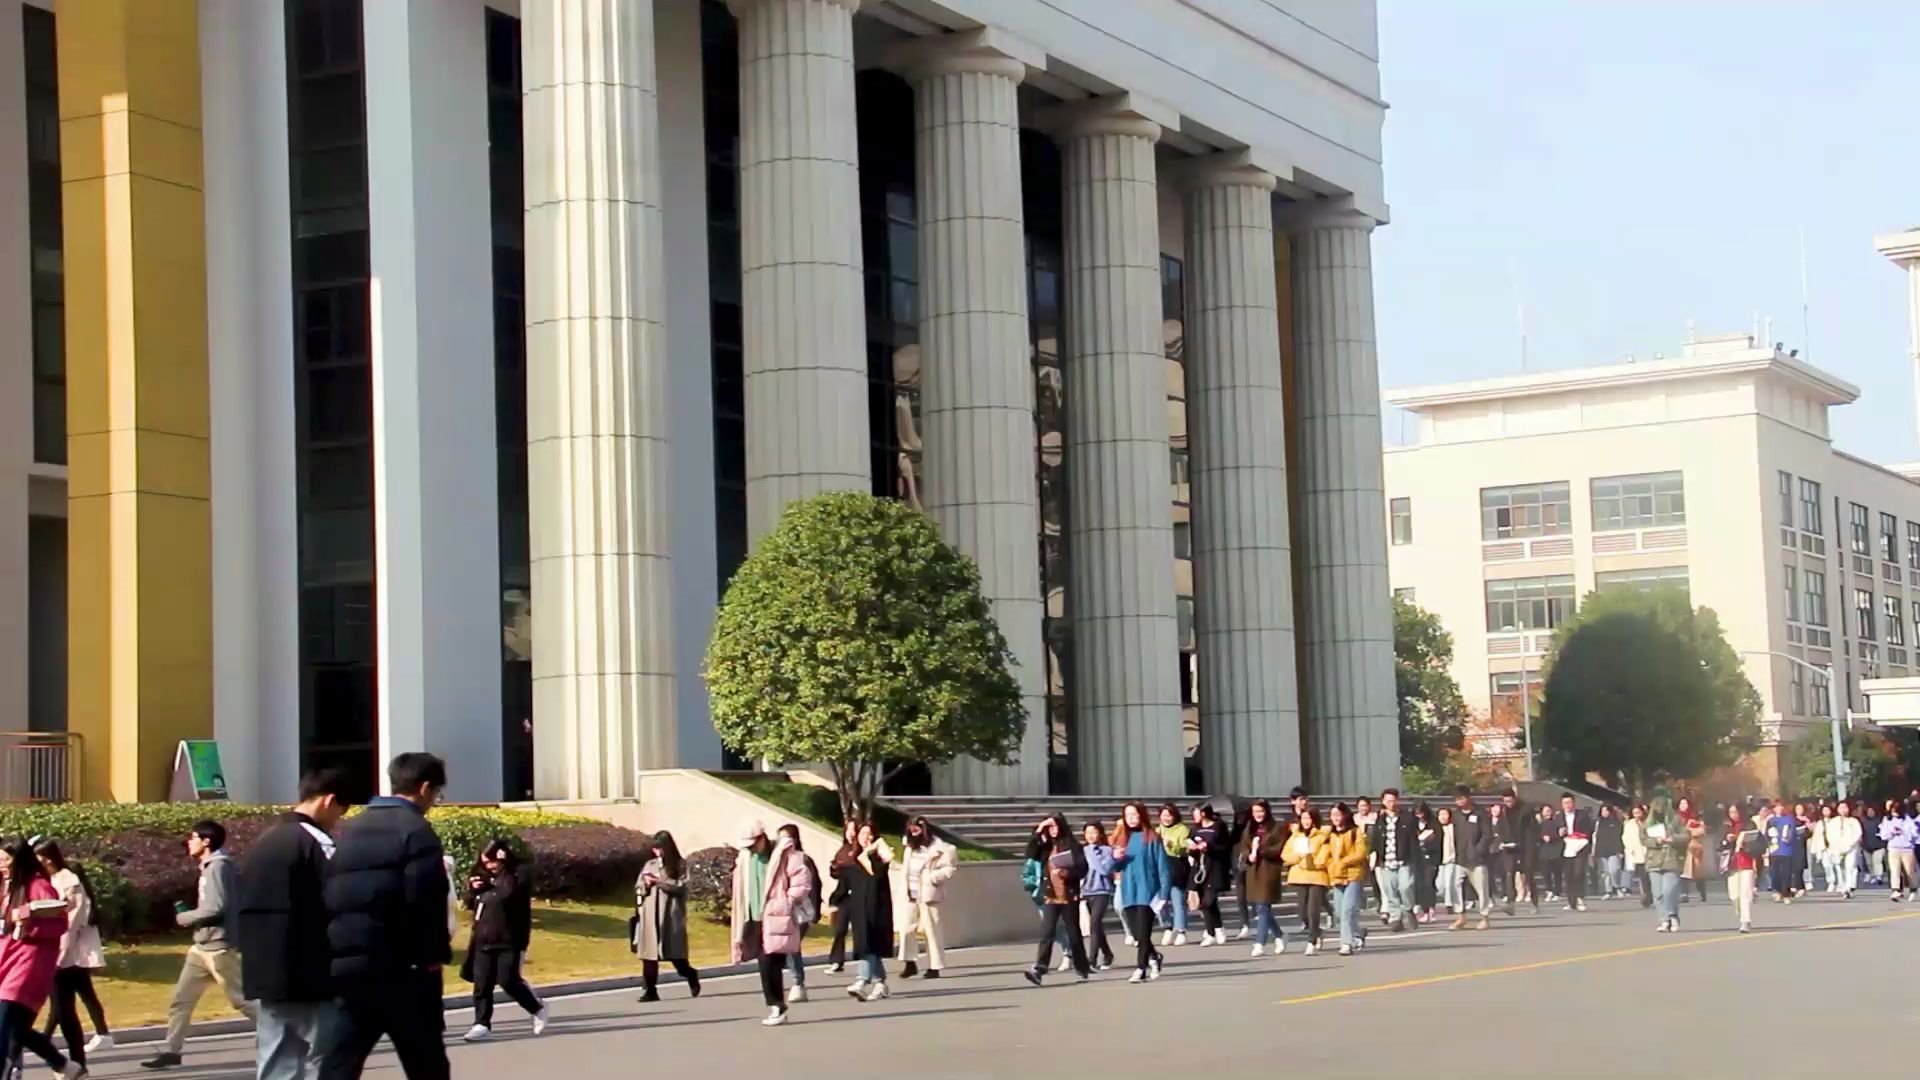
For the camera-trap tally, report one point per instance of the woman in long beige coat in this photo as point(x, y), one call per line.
point(1696, 868)
point(660, 918)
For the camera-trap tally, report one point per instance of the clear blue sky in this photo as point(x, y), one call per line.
point(1622, 166)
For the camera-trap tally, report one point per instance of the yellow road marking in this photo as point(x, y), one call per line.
point(1535, 965)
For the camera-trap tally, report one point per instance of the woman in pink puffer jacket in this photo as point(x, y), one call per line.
point(772, 888)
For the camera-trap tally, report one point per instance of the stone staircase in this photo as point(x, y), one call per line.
point(1004, 822)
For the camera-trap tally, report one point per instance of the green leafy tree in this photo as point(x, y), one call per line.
point(1433, 716)
point(1642, 688)
point(856, 637)
point(1872, 761)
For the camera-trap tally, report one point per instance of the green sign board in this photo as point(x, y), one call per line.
point(197, 776)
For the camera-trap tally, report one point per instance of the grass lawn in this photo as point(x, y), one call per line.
point(822, 806)
point(571, 940)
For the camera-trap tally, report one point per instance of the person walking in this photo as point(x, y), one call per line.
point(1243, 820)
point(1393, 850)
point(80, 956)
point(211, 959)
point(280, 926)
point(1364, 815)
point(1173, 841)
point(1142, 886)
point(1573, 830)
point(1263, 875)
point(806, 914)
point(1064, 868)
point(929, 863)
point(387, 894)
point(1696, 869)
point(35, 920)
point(1447, 876)
point(1818, 853)
point(1209, 869)
point(1784, 844)
point(1033, 880)
point(1872, 848)
point(1304, 853)
point(1900, 833)
point(837, 954)
point(1344, 858)
point(1633, 847)
point(660, 918)
point(502, 903)
point(1433, 865)
point(1096, 894)
point(1471, 844)
point(1844, 837)
point(1547, 848)
point(867, 872)
point(1666, 855)
point(1610, 851)
point(1743, 845)
point(771, 888)
point(1504, 841)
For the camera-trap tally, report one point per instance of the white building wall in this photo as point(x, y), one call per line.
point(436, 548)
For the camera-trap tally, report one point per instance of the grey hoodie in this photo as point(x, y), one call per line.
point(208, 919)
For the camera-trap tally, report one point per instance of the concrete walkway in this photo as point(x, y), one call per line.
point(1558, 994)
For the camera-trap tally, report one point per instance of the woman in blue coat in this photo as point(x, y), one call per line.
point(1142, 863)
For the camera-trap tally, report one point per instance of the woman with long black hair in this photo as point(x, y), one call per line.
point(1209, 870)
point(1426, 892)
point(80, 956)
point(1063, 866)
point(502, 903)
point(35, 920)
point(867, 873)
point(660, 924)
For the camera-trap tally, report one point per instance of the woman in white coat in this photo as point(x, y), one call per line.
point(1633, 838)
point(928, 863)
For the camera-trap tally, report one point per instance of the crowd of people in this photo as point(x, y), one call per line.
point(333, 931)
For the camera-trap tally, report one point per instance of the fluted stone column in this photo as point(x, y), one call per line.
point(976, 397)
point(1242, 573)
point(1126, 688)
point(804, 324)
point(597, 426)
point(1346, 617)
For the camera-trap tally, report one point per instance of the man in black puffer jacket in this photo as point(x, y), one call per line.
point(387, 901)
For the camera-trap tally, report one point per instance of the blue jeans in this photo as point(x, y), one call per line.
point(1347, 901)
point(1612, 874)
point(798, 967)
point(1666, 893)
point(291, 1038)
point(873, 968)
point(1176, 913)
point(1396, 891)
point(1265, 929)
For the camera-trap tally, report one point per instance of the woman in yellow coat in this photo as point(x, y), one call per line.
point(1302, 854)
point(1344, 859)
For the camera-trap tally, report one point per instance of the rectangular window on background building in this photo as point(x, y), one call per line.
point(1792, 575)
point(1889, 538)
point(1786, 497)
point(1400, 517)
point(1857, 539)
point(1913, 545)
point(1816, 610)
point(1638, 502)
point(1863, 627)
point(46, 265)
point(1797, 688)
point(1821, 685)
point(1406, 594)
point(1506, 706)
point(1525, 510)
point(1810, 520)
point(1645, 580)
point(1890, 614)
point(1535, 603)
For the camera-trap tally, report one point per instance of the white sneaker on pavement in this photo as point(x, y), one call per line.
point(99, 1043)
point(541, 1019)
point(876, 991)
point(1131, 943)
point(1166, 937)
point(857, 988)
point(1259, 950)
point(1346, 950)
point(1180, 938)
point(797, 995)
point(1137, 976)
point(1244, 933)
point(776, 1016)
point(478, 1033)
point(1066, 962)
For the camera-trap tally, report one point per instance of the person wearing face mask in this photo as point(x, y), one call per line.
point(771, 886)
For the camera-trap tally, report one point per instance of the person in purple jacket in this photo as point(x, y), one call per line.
point(1901, 834)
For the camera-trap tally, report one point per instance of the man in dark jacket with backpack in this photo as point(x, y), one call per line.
point(387, 898)
point(282, 926)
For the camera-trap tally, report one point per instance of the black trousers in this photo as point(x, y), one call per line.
point(773, 980)
point(17, 1033)
point(1097, 947)
point(1052, 920)
point(73, 986)
point(501, 968)
point(1139, 920)
point(1313, 904)
point(1573, 878)
point(404, 1006)
point(842, 925)
point(650, 973)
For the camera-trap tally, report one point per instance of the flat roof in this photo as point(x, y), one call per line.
point(1707, 363)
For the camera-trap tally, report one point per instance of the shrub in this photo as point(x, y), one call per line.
point(118, 907)
point(710, 881)
point(586, 861)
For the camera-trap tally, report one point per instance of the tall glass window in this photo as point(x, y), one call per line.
point(1857, 529)
point(1889, 538)
point(1786, 498)
point(1400, 521)
point(1792, 578)
point(1534, 603)
point(720, 74)
point(1816, 609)
point(1913, 545)
point(1041, 195)
point(1890, 615)
point(1525, 510)
point(1173, 310)
point(333, 396)
point(1638, 502)
point(1863, 620)
point(1810, 520)
point(45, 256)
point(890, 252)
point(506, 183)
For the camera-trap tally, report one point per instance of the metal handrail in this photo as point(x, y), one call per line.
point(40, 766)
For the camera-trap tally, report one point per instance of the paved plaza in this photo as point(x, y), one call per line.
point(1557, 994)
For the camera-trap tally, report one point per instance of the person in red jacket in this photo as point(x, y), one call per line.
point(36, 918)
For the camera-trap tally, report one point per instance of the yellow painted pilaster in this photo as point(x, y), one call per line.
point(139, 623)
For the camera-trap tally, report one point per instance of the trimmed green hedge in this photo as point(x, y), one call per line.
point(822, 807)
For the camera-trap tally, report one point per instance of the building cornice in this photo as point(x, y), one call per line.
point(1830, 389)
point(1899, 246)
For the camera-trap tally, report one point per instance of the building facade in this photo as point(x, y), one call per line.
point(396, 375)
point(1713, 471)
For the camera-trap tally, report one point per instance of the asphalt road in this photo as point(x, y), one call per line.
point(1559, 994)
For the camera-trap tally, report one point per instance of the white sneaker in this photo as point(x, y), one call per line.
point(1153, 967)
point(1279, 946)
point(1066, 964)
point(99, 1043)
point(1131, 943)
point(1137, 976)
point(1180, 938)
point(1166, 937)
point(478, 1033)
point(1346, 950)
point(776, 1017)
point(857, 988)
point(1259, 950)
point(1312, 949)
point(876, 991)
point(1244, 933)
point(797, 995)
point(540, 1021)
point(1103, 965)
point(1207, 939)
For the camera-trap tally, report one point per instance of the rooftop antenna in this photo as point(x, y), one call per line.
point(1689, 331)
point(1806, 331)
point(1520, 311)
point(1766, 338)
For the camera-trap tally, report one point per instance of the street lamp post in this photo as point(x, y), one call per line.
point(1840, 769)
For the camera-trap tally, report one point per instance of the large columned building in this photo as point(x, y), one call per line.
point(400, 374)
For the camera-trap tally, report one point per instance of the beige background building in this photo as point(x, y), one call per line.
point(1713, 470)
